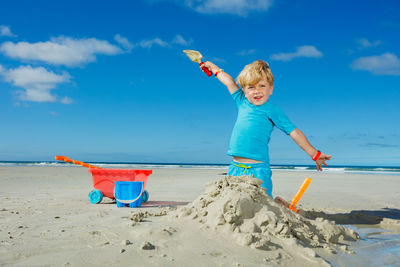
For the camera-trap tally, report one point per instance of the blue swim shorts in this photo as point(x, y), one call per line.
point(261, 171)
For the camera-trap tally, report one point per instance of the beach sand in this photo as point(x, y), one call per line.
point(46, 219)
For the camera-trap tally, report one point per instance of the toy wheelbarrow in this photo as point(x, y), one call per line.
point(104, 180)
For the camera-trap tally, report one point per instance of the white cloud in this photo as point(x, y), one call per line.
point(67, 100)
point(301, 51)
point(124, 42)
point(150, 43)
point(60, 50)
point(36, 82)
point(178, 39)
point(234, 7)
point(246, 52)
point(5, 31)
point(218, 59)
point(385, 64)
point(364, 43)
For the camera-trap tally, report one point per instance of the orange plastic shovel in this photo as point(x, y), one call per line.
point(299, 194)
point(66, 159)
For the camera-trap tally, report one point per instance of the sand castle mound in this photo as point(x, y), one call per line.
point(240, 207)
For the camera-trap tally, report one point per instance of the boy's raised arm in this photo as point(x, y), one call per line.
point(224, 77)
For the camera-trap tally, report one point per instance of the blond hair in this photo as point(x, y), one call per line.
point(255, 72)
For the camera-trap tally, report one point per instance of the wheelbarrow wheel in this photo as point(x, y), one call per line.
point(95, 196)
point(145, 196)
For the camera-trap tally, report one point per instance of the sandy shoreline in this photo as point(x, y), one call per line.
point(46, 218)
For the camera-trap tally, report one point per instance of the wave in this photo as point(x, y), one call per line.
point(127, 165)
point(112, 165)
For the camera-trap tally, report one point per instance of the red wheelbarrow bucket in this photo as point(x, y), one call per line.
point(103, 182)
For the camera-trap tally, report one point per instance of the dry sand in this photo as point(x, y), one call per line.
point(46, 219)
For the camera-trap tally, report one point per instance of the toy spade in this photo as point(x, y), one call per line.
point(195, 56)
point(67, 159)
point(299, 194)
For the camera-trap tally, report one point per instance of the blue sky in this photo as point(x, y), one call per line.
point(107, 81)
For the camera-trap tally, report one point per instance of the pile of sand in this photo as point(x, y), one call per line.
point(239, 207)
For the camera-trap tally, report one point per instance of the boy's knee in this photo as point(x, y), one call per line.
point(268, 191)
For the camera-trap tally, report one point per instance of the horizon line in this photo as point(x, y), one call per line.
point(189, 163)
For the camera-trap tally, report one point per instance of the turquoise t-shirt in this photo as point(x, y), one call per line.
point(253, 128)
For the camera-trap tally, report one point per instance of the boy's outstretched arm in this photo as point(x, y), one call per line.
point(301, 140)
point(224, 77)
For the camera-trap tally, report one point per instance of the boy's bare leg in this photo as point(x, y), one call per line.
point(287, 204)
point(282, 202)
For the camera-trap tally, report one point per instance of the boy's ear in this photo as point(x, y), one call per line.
point(272, 89)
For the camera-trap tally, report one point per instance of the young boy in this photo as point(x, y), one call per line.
point(255, 122)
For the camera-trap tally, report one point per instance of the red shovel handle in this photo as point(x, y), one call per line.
point(205, 69)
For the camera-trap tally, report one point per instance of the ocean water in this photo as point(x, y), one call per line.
point(134, 165)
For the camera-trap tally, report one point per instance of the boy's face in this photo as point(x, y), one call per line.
point(258, 93)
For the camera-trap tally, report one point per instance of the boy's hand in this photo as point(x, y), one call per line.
point(300, 139)
point(321, 160)
point(211, 66)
